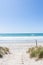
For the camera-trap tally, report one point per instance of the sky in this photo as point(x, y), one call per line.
point(21, 16)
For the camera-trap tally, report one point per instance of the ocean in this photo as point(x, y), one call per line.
point(21, 37)
point(20, 34)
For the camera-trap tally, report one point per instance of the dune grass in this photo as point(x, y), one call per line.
point(36, 52)
point(3, 51)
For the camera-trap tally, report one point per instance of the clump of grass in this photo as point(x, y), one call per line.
point(1, 54)
point(3, 51)
point(41, 54)
point(33, 53)
point(36, 52)
point(6, 50)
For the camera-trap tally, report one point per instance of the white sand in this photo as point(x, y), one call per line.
point(18, 55)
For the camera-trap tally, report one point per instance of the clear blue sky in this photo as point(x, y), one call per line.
point(21, 16)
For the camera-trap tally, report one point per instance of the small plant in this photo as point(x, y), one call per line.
point(33, 54)
point(1, 54)
point(41, 54)
point(6, 50)
point(36, 52)
point(3, 51)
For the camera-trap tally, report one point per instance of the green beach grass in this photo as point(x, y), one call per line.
point(36, 52)
point(3, 51)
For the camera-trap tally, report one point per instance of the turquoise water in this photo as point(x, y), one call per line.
point(20, 34)
point(21, 37)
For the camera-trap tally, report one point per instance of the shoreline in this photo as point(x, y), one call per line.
point(20, 37)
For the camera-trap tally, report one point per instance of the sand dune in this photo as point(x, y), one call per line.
point(18, 56)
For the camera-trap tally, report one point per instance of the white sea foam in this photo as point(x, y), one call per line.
point(21, 38)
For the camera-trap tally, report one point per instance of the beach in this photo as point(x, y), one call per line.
point(18, 55)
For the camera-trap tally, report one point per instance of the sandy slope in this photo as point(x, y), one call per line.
point(18, 56)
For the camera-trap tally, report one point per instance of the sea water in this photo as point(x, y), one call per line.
point(20, 37)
